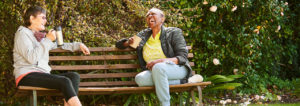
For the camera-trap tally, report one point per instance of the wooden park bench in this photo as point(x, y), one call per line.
point(106, 71)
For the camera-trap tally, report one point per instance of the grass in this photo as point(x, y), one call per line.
point(292, 104)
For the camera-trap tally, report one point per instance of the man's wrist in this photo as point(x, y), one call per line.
point(126, 44)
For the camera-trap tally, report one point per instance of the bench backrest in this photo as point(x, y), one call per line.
point(105, 67)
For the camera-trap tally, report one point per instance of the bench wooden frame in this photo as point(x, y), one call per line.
point(105, 87)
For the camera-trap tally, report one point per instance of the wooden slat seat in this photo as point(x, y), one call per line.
point(108, 75)
point(95, 67)
point(120, 90)
point(107, 83)
point(106, 71)
point(105, 49)
point(98, 67)
point(102, 57)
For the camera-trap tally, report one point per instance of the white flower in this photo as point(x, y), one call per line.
point(244, 99)
point(262, 97)
point(286, 3)
point(278, 97)
point(222, 102)
point(234, 101)
point(235, 71)
point(256, 97)
point(256, 31)
point(278, 28)
point(213, 8)
point(234, 8)
point(205, 2)
point(195, 78)
point(216, 61)
point(281, 13)
point(247, 103)
point(228, 100)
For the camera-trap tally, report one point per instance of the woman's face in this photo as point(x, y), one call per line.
point(38, 23)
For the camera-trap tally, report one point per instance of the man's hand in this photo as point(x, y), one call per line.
point(152, 63)
point(130, 41)
point(84, 49)
point(51, 35)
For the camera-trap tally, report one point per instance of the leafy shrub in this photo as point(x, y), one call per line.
point(221, 82)
point(259, 39)
point(253, 37)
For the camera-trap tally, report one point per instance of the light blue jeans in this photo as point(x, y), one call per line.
point(162, 75)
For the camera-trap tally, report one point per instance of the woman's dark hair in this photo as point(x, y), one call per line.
point(32, 11)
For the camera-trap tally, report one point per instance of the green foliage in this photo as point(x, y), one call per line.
point(128, 100)
point(220, 82)
point(256, 38)
point(297, 86)
point(91, 22)
point(260, 39)
point(142, 100)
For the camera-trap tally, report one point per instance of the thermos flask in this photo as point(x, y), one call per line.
point(59, 36)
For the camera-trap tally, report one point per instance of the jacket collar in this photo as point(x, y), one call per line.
point(162, 34)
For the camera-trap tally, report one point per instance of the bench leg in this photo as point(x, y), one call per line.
point(33, 99)
point(180, 99)
point(187, 102)
point(193, 97)
point(200, 95)
point(30, 101)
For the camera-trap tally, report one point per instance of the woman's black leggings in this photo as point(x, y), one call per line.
point(67, 83)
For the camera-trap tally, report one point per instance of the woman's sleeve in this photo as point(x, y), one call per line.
point(32, 53)
point(75, 46)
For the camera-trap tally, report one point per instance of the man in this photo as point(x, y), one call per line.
point(162, 54)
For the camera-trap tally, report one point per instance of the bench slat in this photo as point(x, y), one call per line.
point(106, 92)
point(26, 90)
point(103, 49)
point(112, 75)
point(84, 58)
point(22, 88)
point(97, 49)
point(108, 75)
point(95, 67)
point(98, 67)
point(102, 57)
point(108, 83)
point(139, 90)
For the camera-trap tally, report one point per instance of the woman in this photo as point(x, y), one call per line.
point(162, 54)
point(31, 57)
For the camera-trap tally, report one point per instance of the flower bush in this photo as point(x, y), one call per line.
point(258, 39)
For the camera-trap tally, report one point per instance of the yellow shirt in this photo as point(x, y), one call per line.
point(152, 49)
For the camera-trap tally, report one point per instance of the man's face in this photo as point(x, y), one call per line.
point(154, 18)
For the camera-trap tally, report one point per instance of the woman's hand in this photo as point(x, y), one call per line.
point(84, 49)
point(51, 35)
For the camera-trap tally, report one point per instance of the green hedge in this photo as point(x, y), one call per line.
point(247, 39)
point(258, 38)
